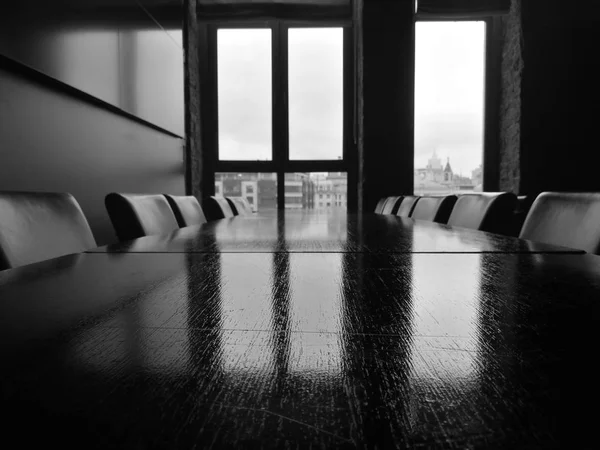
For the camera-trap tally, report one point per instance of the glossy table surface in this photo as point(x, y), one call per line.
point(301, 350)
point(295, 231)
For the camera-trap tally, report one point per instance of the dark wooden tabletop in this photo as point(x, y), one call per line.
point(296, 231)
point(300, 350)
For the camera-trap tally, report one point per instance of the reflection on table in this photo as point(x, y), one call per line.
point(341, 350)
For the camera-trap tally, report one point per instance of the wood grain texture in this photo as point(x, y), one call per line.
point(292, 231)
point(297, 350)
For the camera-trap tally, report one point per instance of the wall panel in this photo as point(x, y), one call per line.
point(114, 50)
point(70, 47)
point(51, 141)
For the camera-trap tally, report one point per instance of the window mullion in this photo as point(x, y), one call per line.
point(280, 112)
point(350, 119)
point(283, 61)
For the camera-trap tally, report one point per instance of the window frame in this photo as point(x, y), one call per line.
point(280, 162)
point(490, 159)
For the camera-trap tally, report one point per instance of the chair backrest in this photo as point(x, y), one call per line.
point(240, 206)
point(187, 210)
point(380, 205)
point(434, 209)
point(137, 215)
point(486, 211)
point(217, 208)
point(35, 226)
point(520, 213)
point(391, 205)
point(566, 219)
point(232, 206)
point(407, 205)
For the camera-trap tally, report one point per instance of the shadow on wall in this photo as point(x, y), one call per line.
point(55, 140)
point(118, 54)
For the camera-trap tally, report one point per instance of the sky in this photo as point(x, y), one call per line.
point(244, 93)
point(315, 74)
point(449, 92)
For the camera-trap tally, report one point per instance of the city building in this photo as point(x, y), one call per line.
point(477, 178)
point(331, 190)
point(438, 179)
point(299, 188)
point(302, 190)
point(260, 190)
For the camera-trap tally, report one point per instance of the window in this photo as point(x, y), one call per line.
point(260, 189)
point(281, 102)
point(315, 78)
point(295, 188)
point(302, 188)
point(244, 94)
point(449, 106)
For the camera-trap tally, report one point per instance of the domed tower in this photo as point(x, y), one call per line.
point(448, 175)
point(434, 162)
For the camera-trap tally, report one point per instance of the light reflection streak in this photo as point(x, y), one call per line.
point(424, 237)
point(446, 357)
point(446, 303)
point(245, 306)
point(316, 306)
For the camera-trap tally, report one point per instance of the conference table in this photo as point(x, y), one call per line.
point(303, 329)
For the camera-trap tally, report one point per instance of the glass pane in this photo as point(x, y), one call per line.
point(449, 107)
point(244, 93)
point(260, 189)
point(316, 86)
point(318, 190)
